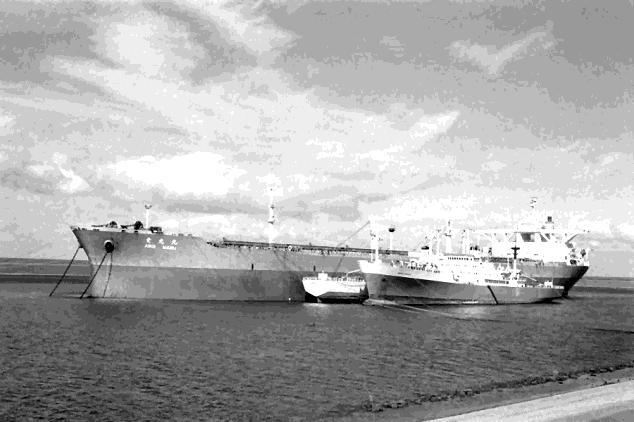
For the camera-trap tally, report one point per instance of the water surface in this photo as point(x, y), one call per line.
point(137, 360)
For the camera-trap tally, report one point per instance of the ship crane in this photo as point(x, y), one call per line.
point(345, 240)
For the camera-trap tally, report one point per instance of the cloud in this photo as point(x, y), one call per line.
point(167, 51)
point(493, 60)
point(7, 122)
point(400, 151)
point(328, 149)
point(393, 44)
point(31, 32)
point(493, 166)
point(431, 126)
point(199, 174)
point(74, 108)
point(246, 25)
point(232, 203)
point(43, 177)
point(626, 229)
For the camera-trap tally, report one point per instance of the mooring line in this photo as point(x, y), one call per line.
point(109, 273)
point(94, 275)
point(65, 271)
point(416, 309)
point(424, 309)
point(493, 294)
point(401, 308)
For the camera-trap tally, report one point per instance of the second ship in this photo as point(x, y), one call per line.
point(426, 278)
point(542, 251)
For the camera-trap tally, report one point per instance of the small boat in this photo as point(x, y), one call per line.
point(328, 289)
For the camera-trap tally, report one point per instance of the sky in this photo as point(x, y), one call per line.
point(403, 113)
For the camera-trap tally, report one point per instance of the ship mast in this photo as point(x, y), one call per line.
point(447, 234)
point(438, 240)
point(392, 229)
point(533, 217)
point(271, 220)
point(374, 241)
point(147, 215)
point(515, 248)
point(465, 241)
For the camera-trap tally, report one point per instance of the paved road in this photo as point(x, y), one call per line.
point(614, 403)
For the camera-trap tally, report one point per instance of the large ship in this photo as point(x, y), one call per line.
point(542, 251)
point(426, 278)
point(137, 261)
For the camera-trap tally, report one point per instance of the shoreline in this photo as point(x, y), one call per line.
point(486, 397)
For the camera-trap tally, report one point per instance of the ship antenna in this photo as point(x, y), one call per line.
point(147, 215)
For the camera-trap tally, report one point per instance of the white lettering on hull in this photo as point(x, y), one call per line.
point(161, 241)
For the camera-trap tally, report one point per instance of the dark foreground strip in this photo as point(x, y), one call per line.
point(537, 380)
point(613, 330)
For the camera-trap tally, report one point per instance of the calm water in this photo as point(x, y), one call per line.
point(65, 358)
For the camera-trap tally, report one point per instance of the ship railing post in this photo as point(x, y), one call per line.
point(65, 271)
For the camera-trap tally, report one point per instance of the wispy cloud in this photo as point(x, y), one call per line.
point(54, 175)
point(493, 60)
point(245, 24)
point(7, 122)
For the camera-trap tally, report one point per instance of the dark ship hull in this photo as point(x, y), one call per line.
point(144, 264)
